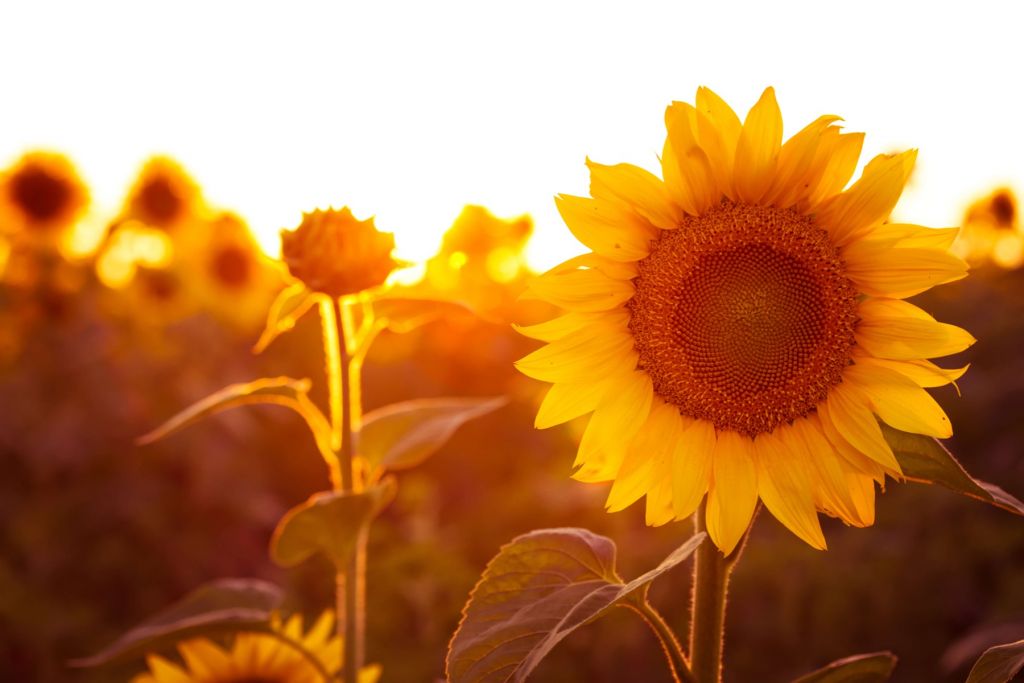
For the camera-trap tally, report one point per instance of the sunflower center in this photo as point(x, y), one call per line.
point(743, 316)
point(39, 194)
point(159, 203)
point(231, 266)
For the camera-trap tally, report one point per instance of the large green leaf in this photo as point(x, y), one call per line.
point(405, 434)
point(999, 664)
point(538, 589)
point(223, 605)
point(924, 459)
point(329, 523)
point(283, 391)
point(290, 305)
point(404, 314)
point(875, 667)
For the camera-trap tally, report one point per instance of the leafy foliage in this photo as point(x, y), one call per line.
point(538, 589)
point(875, 667)
point(999, 664)
point(291, 304)
point(925, 460)
point(223, 605)
point(402, 435)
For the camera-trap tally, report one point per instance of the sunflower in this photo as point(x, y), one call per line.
point(740, 325)
point(163, 196)
point(257, 657)
point(41, 196)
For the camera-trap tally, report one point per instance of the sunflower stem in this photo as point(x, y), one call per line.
point(677, 662)
point(343, 392)
point(707, 608)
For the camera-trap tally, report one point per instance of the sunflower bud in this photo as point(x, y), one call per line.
point(335, 253)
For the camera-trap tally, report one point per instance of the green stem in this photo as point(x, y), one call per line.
point(707, 609)
point(677, 663)
point(340, 385)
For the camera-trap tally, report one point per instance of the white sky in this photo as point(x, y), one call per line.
point(410, 110)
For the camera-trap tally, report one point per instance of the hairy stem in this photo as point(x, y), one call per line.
point(707, 609)
point(677, 662)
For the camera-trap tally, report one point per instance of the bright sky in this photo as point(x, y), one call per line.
point(410, 110)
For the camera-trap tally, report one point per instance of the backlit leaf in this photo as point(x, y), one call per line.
point(875, 667)
point(405, 434)
point(290, 305)
point(329, 523)
point(283, 391)
point(999, 664)
point(538, 589)
point(404, 314)
point(926, 460)
point(219, 606)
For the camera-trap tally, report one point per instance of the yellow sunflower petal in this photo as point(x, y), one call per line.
point(898, 401)
point(565, 402)
point(617, 270)
point(910, 235)
point(870, 200)
point(635, 189)
point(620, 414)
point(203, 658)
point(796, 159)
point(850, 415)
point(848, 453)
point(698, 190)
point(784, 482)
point(733, 492)
point(606, 228)
point(564, 325)
point(691, 466)
point(659, 498)
point(898, 330)
point(757, 152)
point(646, 457)
point(726, 123)
point(585, 291)
point(880, 270)
point(831, 486)
point(924, 373)
point(834, 166)
point(582, 356)
point(165, 672)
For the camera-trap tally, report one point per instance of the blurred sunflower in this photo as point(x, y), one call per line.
point(992, 230)
point(41, 196)
point(740, 323)
point(335, 253)
point(257, 657)
point(163, 196)
point(233, 277)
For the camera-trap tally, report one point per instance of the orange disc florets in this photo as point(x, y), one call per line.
point(743, 316)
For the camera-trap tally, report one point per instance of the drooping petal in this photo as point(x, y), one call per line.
point(849, 454)
point(757, 152)
point(607, 229)
point(647, 456)
point(870, 200)
point(922, 372)
point(634, 189)
point(881, 270)
point(898, 330)
point(898, 401)
point(733, 492)
point(831, 485)
point(691, 466)
point(851, 416)
point(785, 484)
point(622, 410)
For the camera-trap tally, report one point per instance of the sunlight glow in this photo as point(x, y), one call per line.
point(408, 112)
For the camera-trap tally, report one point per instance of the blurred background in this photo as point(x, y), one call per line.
point(150, 155)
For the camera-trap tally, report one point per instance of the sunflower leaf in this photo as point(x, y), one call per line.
point(404, 314)
point(538, 589)
point(875, 667)
point(290, 305)
point(403, 435)
point(215, 607)
point(283, 391)
point(925, 460)
point(328, 523)
point(999, 664)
